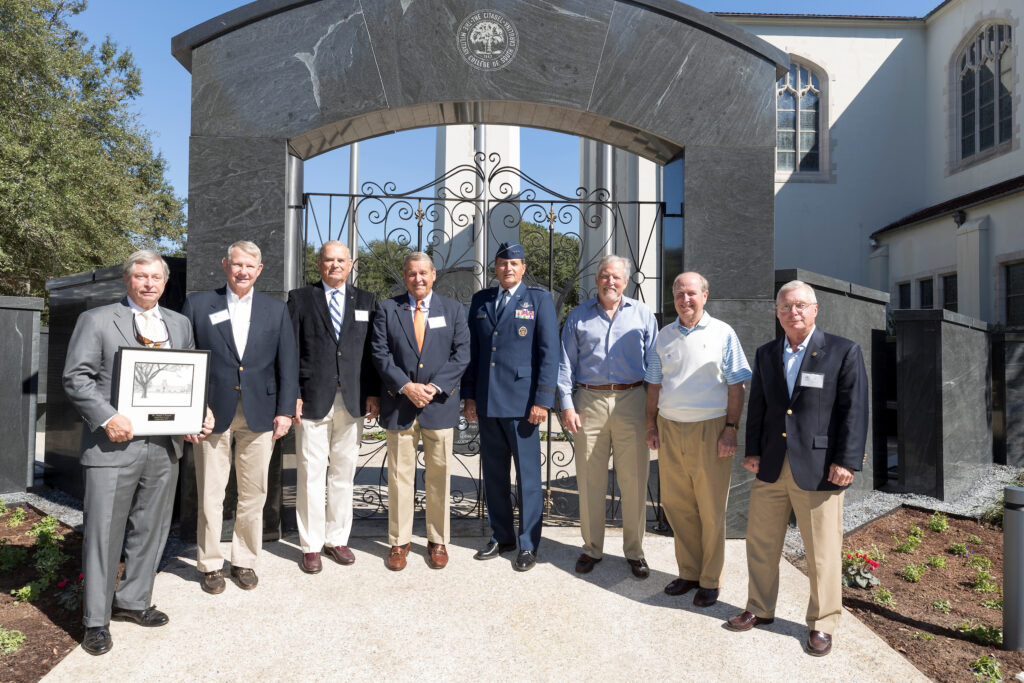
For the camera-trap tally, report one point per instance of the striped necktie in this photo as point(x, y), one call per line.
point(335, 308)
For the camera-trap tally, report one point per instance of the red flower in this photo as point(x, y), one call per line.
point(79, 576)
point(62, 583)
point(849, 556)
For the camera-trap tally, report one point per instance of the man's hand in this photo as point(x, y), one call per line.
point(208, 424)
point(752, 463)
point(571, 420)
point(119, 429)
point(372, 407)
point(652, 439)
point(298, 412)
point(727, 443)
point(840, 476)
point(470, 409)
point(282, 423)
point(419, 394)
point(537, 415)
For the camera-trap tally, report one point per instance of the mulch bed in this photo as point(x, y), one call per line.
point(50, 630)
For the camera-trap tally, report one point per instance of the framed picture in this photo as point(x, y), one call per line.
point(163, 391)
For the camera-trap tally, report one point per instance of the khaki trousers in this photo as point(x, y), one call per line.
point(437, 453)
point(694, 495)
point(325, 468)
point(251, 456)
point(819, 514)
point(613, 423)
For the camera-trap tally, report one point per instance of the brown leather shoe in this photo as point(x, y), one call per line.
point(585, 563)
point(310, 563)
point(245, 577)
point(705, 597)
point(341, 554)
point(213, 582)
point(437, 555)
point(819, 644)
point(639, 568)
point(681, 586)
point(744, 621)
point(396, 558)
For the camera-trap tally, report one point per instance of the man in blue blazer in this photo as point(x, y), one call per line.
point(807, 423)
point(420, 347)
point(253, 392)
point(510, 386)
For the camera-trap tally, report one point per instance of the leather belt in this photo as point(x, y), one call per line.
point(611, 387)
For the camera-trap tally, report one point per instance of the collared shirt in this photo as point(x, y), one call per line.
point(425, 306)
point(138, 310)
point(341, 298)
point(240, 312)
point(597, 349)
point(695, 368)
point(511, 293)
point(792, 360)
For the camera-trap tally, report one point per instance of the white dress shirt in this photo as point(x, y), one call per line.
point(240, 312)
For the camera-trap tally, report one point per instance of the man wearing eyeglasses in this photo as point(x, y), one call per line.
point(807, 424)
point(129, 480)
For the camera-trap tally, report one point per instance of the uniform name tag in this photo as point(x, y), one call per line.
point(435, 322)
point(219, 317)
point(362, 316)
point(814, 380)
point(525, 315)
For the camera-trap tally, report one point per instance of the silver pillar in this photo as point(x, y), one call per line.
point(1013, 569)
point(353, 189)
point(607, 180)
point(293, 247)
point(480, 245)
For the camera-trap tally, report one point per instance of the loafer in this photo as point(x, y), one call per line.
point(310, 563)
point(395, 560)
point(493, 549)
point(245, 578)
point(818, 644)
point(341, 554)
point(437, 555)
point(150, 616)
point(213, 582)
point(744, 621)
point(681, 586)
point(639, 568)
point(97, 640)
point(705, 597)
point(525, 561)
point(585, 563)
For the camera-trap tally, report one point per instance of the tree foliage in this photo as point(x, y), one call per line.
point(535, 240)
point(80, 184)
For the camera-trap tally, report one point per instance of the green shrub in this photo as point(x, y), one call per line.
point(937, 562)
point(913, 572)
point(10, 640)
point(17, 517)
point(11, 556)
point(958, 549)
point(28, 593)
point(996, 604)
point(986, 668)
point(983, 582)
point(942, 606)
point(985, 635)
point(3, 507)
point(924, 636)
point(938, 522)
point(976, 540)
point(883, 596)
point(915, 531)
point(908, 546)
point(979, 562)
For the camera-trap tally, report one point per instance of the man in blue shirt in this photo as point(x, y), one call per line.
point(606, 342)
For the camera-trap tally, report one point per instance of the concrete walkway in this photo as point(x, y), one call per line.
point(474, 621)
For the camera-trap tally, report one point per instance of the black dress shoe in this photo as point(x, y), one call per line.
point(681, 586)
point(585, 563)
point(744, 621)
point(150, 616)
point(97, 640)
point(705, 597)
point(639, 568)
point(818, 644)
point(493, 549)
point(525, 561)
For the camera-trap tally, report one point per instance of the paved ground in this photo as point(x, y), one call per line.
point(474, 620)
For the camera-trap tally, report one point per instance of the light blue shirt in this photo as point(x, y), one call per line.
point(792, 360)
point(734, 365)
point(597, 349)
point(425, 305)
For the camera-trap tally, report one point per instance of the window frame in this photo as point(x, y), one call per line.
point(944, 281)
point(824, 173)
point(924, 282)
point(1007, 294)
point(899, 295)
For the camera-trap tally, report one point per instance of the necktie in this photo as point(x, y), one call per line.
point(151, 328)
point(419, 324)
point(335, 308)
point(502, 301)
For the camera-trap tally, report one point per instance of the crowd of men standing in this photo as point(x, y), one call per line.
point(333, 356)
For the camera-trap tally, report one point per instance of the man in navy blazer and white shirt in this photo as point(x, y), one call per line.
point(807, 423)
point(253, 392)
point(420, 348)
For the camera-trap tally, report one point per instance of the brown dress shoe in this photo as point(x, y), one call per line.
point(310, 563)
point(819, 644)
point(213, 582)
point(705, 597)
point(639, 568)
point(437, 555)
point(341, 554)
point(681, 586)
point(585, 563)
point(744, 621)
point(245, 577)
point(396, 558)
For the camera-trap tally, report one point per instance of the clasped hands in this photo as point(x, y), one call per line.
point(419, 394)
point(119, 429)
point(537, 413)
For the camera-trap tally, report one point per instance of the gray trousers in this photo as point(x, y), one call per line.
point(139, 496)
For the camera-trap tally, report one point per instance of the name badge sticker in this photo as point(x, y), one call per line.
point(362, 316)
point(813, 380)
point(219, 317)
point(436, 322)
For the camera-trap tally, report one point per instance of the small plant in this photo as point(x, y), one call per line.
point(985, 635)
point(876, 554)
point(983, 582)
point(28, 593)
point(857, 570)
point(986, 668)
point(979, 562)
point(10, 640)
point(915, 531)
point(942, 606)
point(17, 517)
point(883, 596)
point(976, 540)
point(959, 549)
point(938, 522)
point(69, 595)
point(996, 604)
point(937, 561)
point(3, 507)
point(11, 556)
point(924, 636)
point(908, 546)
point(913, 572)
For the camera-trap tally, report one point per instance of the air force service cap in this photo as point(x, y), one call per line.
point(510, 250)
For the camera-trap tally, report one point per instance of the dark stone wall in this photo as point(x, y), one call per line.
point(19, 357)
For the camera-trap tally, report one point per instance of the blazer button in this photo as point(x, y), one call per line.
point(240, 368)
point(495, 333)
point(789, 412)
point(421, 365)
point(492, 365)
point(783, 435)
point(339, 353)
point(494, 348)
point(237, 389)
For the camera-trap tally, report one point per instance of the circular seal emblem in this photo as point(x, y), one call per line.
point(522, 331)
point(487, 40)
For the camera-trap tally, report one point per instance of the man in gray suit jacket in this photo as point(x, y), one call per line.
point(129, 480)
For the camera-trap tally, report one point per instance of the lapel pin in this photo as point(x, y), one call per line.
point(522, 331)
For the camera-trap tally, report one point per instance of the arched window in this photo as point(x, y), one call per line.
point(800, 121)
point(985, 86)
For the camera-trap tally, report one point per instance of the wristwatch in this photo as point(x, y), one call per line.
point(733, 425)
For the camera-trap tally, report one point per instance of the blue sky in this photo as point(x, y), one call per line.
point(146, 26)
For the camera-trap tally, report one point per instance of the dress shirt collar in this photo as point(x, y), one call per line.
point(426, 301)
point(624, 301)
point(702, 323)
point(340, 289)
point(511, 292)
point(234, 299)
point(802, 345)
point(138, 310)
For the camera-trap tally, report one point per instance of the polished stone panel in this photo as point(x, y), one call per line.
point(19, 357)
point(1014, 399)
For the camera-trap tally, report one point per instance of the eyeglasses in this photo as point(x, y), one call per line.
point(147, 342)
point(799, 307)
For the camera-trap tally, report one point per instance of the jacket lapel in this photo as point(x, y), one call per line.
point(220, 303)
point(813, 356)
point(491, 304)
point(124, 321)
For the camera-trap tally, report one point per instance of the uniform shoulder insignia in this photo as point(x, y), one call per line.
point(537, 289)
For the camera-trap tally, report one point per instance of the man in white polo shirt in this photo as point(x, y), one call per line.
point(694, 401)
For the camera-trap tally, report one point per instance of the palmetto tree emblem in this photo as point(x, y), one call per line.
point(487, 40)
point(485, 37)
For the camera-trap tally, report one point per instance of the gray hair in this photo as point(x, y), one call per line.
point(797, 284)
point(703, 280)
point(332, 243)
point(613, 260)
point(248, 247)
point(417, 256)
point(145, 256)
